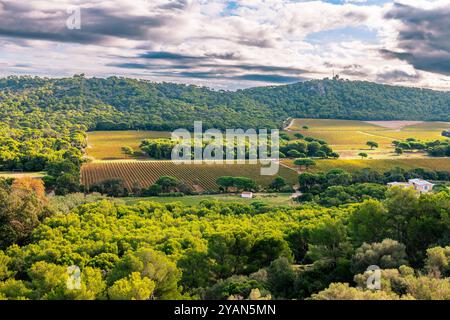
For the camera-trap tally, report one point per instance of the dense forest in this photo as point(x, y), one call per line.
point(221, 251)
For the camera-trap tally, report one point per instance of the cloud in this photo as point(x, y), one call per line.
point(228, 44)
point(423, 36)
point(270, 78)
point(397, 76)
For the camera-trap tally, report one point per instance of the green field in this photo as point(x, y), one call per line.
point(349, 137)
point(280, 199)
point(107, 145)
point(439, 164)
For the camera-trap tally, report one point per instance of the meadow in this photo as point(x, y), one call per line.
point(107, 145)
point(349, 137)
point(200, 177)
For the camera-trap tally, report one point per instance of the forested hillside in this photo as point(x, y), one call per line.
point(119, 103)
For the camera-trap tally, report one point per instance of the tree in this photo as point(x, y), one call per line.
point(244, 184)
point(343, 291)
point(308, 180)
point(438, 261)
point(110, 187)
point(398, 151)
point(363, 155)
point(134, 287)
point(368, 222)
point(298, 135)
point(293, 154)
point(229, 253)
point(321, 154)
point(277, 184)
point(387, 254)
point(334, 155)
point(225, 182)
point(168, 183)
point(22, 206)
point(329, 242)
point(281, 277)
point(128, 150)
point(152, 265)
point(306, 162)
point(372, 144)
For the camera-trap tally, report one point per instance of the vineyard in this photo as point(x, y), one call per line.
point(201, 177)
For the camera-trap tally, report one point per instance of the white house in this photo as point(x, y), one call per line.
point(420, 185)
point(247, 195)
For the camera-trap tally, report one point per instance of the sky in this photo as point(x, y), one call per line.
point(229, 44)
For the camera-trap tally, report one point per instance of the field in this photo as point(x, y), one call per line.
point(200, 177)
point(107, 145)
point(349, 137)
point(440, 164)
point(18, 175)
point(281, 199)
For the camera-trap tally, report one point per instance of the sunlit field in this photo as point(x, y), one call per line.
point(349, 137)
point(107, 145)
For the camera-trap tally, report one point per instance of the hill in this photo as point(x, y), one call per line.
point(119, 103)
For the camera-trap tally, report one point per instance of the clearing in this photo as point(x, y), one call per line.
point(107, 145)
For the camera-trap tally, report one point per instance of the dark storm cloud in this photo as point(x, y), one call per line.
point(205, 68)
point(175, 4)
point(97, 25)
point(424, 37)
point(397, 76)
point(162, 55)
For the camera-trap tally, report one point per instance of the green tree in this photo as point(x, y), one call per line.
point(387, 254)
point(372, 144)
point(368, 222)
point(305, 162)
point(278, 184)
point(167, 183)
point(134, 287)
point(363, 155)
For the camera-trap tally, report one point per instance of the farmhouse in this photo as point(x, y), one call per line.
point(420, 185)
point(247, 195)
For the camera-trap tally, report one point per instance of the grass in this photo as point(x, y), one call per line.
point(349, 137)
point(277, 199)
point(10, 174)
point(381, 165)
point(107, 145)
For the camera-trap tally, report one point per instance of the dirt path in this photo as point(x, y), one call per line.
point(286, 128)
point(376, 135)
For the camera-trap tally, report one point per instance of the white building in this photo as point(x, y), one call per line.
point(420, 185)
point(247, 195)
